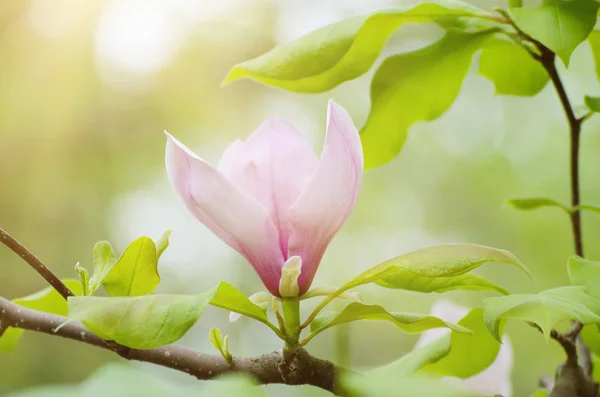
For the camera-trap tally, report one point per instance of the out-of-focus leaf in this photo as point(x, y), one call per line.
point(447, 260)
point(140, 322)
point(594, 40)
point(339, 52)
point(593, 103)
point(470, 353)
point(545, 309)
point(585, 273)
point(104, 260)
point(84, 278)
point(561, 25)
point(534, 203)
point(592, 208)
point(407, 322)
point(540, 393)
point(398, 386)
point(415, 86)
point(417, 358)
point(46, 300)
point(121, 380)
point(512, 69)
point(162, 243)
point(404, 279)
point(229, 298)
point(591, 338)
point(135, 273)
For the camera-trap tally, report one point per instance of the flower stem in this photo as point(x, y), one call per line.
point(291, 316)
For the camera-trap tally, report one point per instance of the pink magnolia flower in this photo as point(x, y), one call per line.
point(271, 199)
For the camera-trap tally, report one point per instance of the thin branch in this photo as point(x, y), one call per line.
point(35, 263)
point(296, 368)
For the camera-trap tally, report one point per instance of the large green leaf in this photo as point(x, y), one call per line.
point(144, 322)
point(545, 309)
point(585, 273)
point(415, 86)
point(356, 311)
point(560, 25)
point(534, 203)
point(135, 273)
point(104, 260)
point(512, 69)
point(398, 386)
point(470, 353)
point(341, 51)
point(448, 260)
point(46, 300)
point(140, 322)
point(405, 279)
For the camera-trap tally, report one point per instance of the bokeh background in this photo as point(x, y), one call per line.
point(87, 87)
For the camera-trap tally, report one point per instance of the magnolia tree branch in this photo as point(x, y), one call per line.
point(292, 368)
point(35, 263)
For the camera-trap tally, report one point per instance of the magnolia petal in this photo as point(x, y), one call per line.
point(288, 285)
point(240, 221)
point(330, 196)
point(273, 166)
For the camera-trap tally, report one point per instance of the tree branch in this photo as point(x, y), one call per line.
point(35, 263)
point(292, 367)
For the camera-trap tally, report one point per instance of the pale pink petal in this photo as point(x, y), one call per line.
point(239, 220)
point(329, 197)
point(273, 166)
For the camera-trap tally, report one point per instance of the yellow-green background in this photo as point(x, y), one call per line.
point(83, 107)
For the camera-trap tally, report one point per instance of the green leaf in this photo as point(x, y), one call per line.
point(593, 103)
point(415, 86)
point(216, 339)
point(333, 54)
point(447, 260)
point(144, 322)
point(46, 300)
point(404, 279)
point(512, 69)
point(545, 309)
point(592, 208)
point(162, 243)
point(141, 322)
point(585, 273)
point(561, 25)
point(591, 338)
point(135, 273)
point(398, 386)
point(540, 393)
point(417, 358)
point(104, 260)
point(534, 203)
point(594, 40)
point(356, 311)
point(83, 278)
point(479, 346)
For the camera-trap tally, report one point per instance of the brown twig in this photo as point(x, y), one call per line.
point(296, 368)
point(35, 263)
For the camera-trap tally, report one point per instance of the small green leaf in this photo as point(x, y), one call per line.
point(229, 298)
point(404, 279)
point(333, 54)
point(141, 322)
point(593, 103)
point(545, 309)
point(104, 260)
point(398, 386)
point(534, 203)
point(585, 273)
point(162, 243)
point(46, 300)
point(83, 278)
point(479, 346)
point(216, 339)
point(415, 86)
point(561, 25)
point(594, 40)
point(407, 322)
point(512, 69)
point(135, 273)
